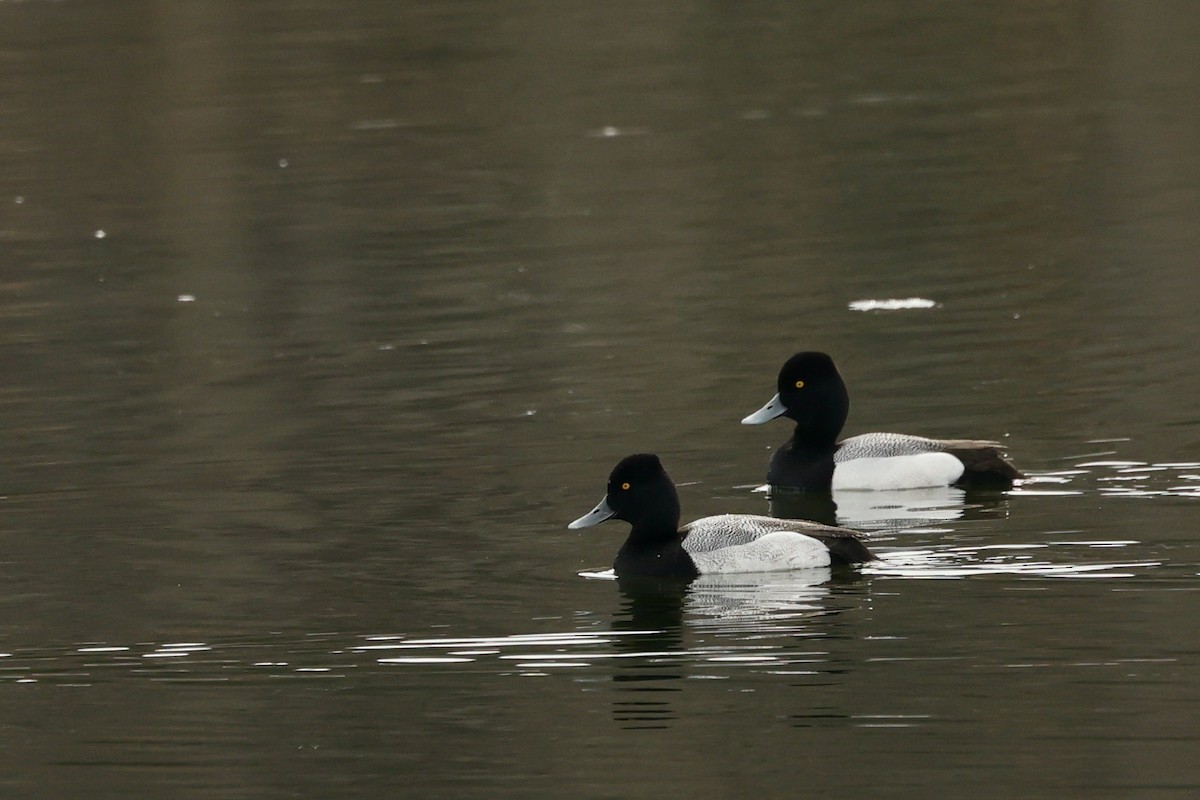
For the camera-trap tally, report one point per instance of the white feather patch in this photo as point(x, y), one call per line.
point(898, 472)
point(772, 552)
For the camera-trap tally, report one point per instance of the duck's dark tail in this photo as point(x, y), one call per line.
point(984, 461)
point(845, 548)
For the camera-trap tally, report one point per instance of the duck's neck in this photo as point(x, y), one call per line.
point(657, 527)
point(818, 426)
point(653, 550)
point(817, 434)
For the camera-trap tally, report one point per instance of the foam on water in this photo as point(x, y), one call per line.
point(892, 304)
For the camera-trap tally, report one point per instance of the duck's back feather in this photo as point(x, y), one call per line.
point(983, 460)
point(710, 534)
point(884, 445)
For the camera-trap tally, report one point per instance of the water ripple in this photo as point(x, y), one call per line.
point(1116, 478)
point(1024, 560)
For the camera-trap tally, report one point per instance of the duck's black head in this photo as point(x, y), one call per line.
point(811, 393)
point(639, 492)
point(639, 488)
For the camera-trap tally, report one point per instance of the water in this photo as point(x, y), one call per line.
point(320, 323)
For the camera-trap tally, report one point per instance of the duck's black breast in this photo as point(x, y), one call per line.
point(801, 467)
point(655, 560)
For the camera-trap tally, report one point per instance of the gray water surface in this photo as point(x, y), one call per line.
point(320, 322)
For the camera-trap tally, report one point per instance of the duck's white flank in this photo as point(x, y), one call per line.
point(918, 471)
point(730, 543)
point(774, 552)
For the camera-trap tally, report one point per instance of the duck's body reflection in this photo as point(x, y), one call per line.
point(661, 615)
point(652, 608)
point(885, 511)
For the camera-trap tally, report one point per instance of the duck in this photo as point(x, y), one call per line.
point(811, 393)
point(641, 493)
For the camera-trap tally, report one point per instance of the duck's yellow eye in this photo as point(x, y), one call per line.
point(625, 485)
point(799, 384)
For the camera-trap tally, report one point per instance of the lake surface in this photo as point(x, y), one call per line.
point(320, 322)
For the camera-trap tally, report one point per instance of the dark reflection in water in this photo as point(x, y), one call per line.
point(797, 504)
point(652, 604)
point(655, 607)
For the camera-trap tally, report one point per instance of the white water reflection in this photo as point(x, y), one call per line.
point(1117, 478)
point(733, 603)
point(897, 510)
point(925, 510)
point(700, 630)
point(666, 630)
point(1027, 560)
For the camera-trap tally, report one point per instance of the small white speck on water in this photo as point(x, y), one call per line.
point(186, 298)
point(100, 234)
point(612, 132)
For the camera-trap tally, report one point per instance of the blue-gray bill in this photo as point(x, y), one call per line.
point(594, 517)
point(774, 408)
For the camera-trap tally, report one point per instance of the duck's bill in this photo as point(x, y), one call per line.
point(593, 517)
point(774, 408)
